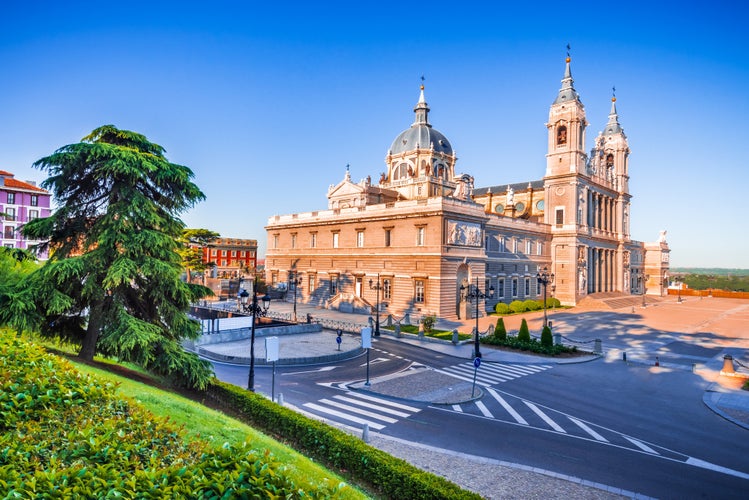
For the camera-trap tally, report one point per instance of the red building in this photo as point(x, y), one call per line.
point(232, 257)
point(20, 202)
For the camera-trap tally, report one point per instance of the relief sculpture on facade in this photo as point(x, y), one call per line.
point(464, 233)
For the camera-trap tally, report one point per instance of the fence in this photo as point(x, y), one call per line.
point(710, 292)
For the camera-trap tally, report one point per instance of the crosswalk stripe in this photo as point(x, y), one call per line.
point(458, 408)
point(358, 410)
point(507, 406)
point(385, 402)
point(480, 375)
point(461, 377)
point(587, 429)
point(371, 405)
point(544, 417)
point(641, 445)
point(503, 372)
point(515, 370)
point(484, 409)
point(344, 416)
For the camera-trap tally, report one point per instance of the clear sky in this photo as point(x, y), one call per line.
point(267, 102)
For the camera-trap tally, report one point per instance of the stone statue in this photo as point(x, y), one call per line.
point(662, 237)
point(510, 196)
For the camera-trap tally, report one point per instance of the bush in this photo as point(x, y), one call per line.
point(428, 322)
point(553, 302)
point(524, 335)
point(532, 305)
point(517, 307)
point(502, 308)
point(499, 330)
point(546, 338)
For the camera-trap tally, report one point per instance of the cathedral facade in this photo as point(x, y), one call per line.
point(424, 240)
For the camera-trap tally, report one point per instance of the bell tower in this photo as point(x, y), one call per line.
point(566, 130)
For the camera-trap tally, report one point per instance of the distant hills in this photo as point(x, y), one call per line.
point(714, 271)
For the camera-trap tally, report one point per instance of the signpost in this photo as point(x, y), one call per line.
point(271, 354)
point(366, 343)
point(476, 364)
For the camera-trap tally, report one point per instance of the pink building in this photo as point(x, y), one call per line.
point(20, 202)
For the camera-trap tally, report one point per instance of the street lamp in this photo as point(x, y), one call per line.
point(474, 293)
point(545, 279)
point(376, 286)
point(678, 280)
point(296, 281)
point(256, 312)
point(645, 279)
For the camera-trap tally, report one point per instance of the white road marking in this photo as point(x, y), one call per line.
point(345, 416)
point(544, 417)
point(360, 411)
point(587, 429)
point(484, 409)
point(641, 445)
point(507, 407)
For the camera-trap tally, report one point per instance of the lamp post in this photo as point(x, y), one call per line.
point(645, 279)
point(678, 280)
point(545, 279)
point(296, 281)
point(475, 294)
point(256, 311)
point(378, 287)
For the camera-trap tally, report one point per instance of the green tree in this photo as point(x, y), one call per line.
point(17, 307)
point(499, 330)
point(524, 335)
point(193, 242)
point(546, 338)
point(115, 268)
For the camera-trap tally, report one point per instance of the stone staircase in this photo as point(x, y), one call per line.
point(615, 300)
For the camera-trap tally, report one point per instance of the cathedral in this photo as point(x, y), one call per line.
point(424, 240)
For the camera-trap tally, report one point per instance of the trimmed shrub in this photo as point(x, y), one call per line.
point(517, 306)
point(532, 305)
point(502, 308)
point(524, 335)
point(499, 330)
point(553, 302)
point(428, 323)
point(546, 338)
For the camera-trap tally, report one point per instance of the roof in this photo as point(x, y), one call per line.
point(421, 135)
point(11, 183)
point(518, 187)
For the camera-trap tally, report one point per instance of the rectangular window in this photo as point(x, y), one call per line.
point(311, 282)
point(293, 240)
point(527, 287)
point(386, 289)
point(528, 247)
point(501, 288)
point(11, 198)
point(223, 263)
point(10, 213)
point(502, 247)
point(9, 245)
point(387, 237)
point(420, 231)
point(234, 253)
point(514, 245)
point(419, 291)
point(34, 200)
point(9, 232)
point(33, 214)
point(335, 240)
point(223, 254)
point(313, 240)
point(539, 248)
point(560, 217)
point(538, 287)
point(514, 287)
point(213, 252)
point(360, 239)
point(275, 241)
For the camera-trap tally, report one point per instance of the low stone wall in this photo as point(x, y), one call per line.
point(244, 333)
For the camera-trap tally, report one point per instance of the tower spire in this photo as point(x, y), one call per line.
point(613, 126)
point(421, 109)
point(567, 92)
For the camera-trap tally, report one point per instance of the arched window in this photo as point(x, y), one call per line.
point(400, 172)
point(609, 160)
point(561, 135)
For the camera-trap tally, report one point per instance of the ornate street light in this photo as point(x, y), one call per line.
point(545, 279)
point(645, 278)
point(473, 293)
point(256, 312)
point(376, 286)
point(296, 281)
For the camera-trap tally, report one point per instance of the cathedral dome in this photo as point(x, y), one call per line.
point(421, 135)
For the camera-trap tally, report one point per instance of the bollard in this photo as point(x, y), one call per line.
point(455, 336)
point(280, 399)
point(657, 361)
point(365, 433)
point(624, 356)
point(727, 365)
point(397, 330)
point(421, 330)
point(557, 339)
point(597, 349)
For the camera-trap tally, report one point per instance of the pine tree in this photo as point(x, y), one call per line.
point(112, 282)
point(546, 337)
point(500, 331)
point(524, 335)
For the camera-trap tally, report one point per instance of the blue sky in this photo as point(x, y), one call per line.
point(268, 104)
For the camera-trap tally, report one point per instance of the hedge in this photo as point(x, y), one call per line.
point(390, 476)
